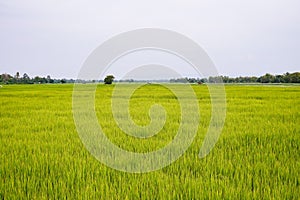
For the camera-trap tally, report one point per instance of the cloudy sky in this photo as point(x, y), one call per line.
point(242, 37)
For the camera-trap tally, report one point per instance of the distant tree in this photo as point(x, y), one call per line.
point(267, 78)
point(226, 79)
point(204, 80)
point(109, 79)
point(294, 77)
point(37, 79)
point(278, 79)
point(49, 80)
point(6, 78)
point(17, 77)
point(25, 78)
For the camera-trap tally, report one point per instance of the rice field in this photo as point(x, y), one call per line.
point(256, 157)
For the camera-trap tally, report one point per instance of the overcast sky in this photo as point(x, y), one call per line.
point(42, 37)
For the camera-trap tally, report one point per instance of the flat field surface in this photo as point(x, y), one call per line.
point(256, 157)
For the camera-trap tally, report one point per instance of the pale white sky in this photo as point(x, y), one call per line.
point(242, 37)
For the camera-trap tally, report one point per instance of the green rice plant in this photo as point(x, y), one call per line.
point(256, 157)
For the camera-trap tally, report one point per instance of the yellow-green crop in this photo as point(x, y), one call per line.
point(256, 157)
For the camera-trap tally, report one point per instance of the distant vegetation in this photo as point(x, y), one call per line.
point(109, 79)
point(26, 79)
point(267, 78)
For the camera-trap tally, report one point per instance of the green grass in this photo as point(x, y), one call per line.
point(256, 157)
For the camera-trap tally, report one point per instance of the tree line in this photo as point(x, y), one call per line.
point(26, 79)
point(267, 78)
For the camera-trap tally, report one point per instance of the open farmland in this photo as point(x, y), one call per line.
point(256, 157)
